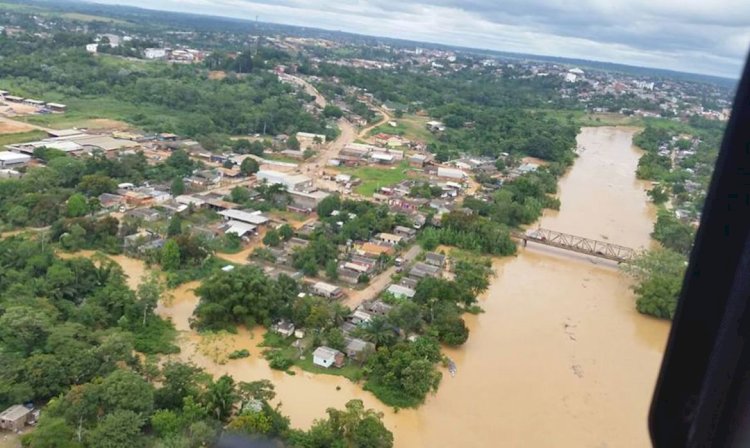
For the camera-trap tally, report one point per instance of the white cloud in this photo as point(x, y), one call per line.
point(709, 37)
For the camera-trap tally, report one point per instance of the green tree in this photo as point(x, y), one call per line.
point(178, 186)
point(292, 143)
point(24, 329)
point(659, 275)
point(120, 429)
point(332, 270)
point(170, 255)
point(175, 226)
point(221, 397)
point(285, 232)
point(271, 238)
point(18, 215)
point(51, 432)
point(126, 390)
point(673, 233)
point(331, 111)
point(249, 166)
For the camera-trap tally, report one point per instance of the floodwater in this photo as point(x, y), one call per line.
point(560, 358)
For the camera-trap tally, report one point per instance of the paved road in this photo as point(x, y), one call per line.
point(309, 88)
point(379, 283)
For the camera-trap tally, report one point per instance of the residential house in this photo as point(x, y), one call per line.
point(408, 233)
point(435, 259)
point(401, 292)
point(409, 282)
point(358, 349)
point(145, 214)
point(347, 275)
point(377, 307)
point(422, 270)
point(326, 357)
point(417, 161)
point(389, 238)
point(110, 201)
point(327, 290)
point(374, 249)
point(284, 328)
point(360, 316)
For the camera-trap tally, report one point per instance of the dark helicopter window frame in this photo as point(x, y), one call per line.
point(702, 397)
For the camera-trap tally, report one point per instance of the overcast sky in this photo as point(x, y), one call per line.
point(700, 36)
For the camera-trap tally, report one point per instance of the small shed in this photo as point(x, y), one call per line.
point(326, 357)
point(15, 418)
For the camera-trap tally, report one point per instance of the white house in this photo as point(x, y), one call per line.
point(401, 292)
point(326, 357)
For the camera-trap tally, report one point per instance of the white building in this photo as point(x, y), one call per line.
point(155, 53)
point(326, 357)
point(292, 182)
point(13, 159)
point(450, 173)
point(401, 292)
point(255, 218)
point(92, 48)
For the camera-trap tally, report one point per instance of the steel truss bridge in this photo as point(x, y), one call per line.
point(578, 244)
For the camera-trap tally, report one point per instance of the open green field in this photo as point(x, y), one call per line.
point(21, 137)
point(89, 18)
point(376, 177)
point(411, 127)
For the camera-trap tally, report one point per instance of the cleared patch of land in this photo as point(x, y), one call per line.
point(10, 127)
point(21, 137)
point(89, 18)
point(411, 127)
point(375, 177)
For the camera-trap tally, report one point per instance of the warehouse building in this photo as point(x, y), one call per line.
point(10, 160)
point(292, 182)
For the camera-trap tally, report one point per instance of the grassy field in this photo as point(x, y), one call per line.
point(21, 137)
point(376, 177)
point(89, 18)
point(411, 127)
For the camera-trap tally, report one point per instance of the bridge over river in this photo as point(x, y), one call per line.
point(581, 245)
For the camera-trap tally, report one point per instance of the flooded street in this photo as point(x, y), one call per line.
point(560, 358)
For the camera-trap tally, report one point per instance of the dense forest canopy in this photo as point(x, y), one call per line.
point(155, 96)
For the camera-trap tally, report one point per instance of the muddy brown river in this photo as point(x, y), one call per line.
point(560, 358)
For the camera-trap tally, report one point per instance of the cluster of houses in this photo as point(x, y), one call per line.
point(358, 349)
point(355, 154)
point(41, 106)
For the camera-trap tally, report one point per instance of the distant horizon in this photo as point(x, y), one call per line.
point(676, 50)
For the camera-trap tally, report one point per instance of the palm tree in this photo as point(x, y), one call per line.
point(379, 331)
point(221, 397)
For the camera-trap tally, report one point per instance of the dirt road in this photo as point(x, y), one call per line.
point(20, 126)
point(380, 282)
